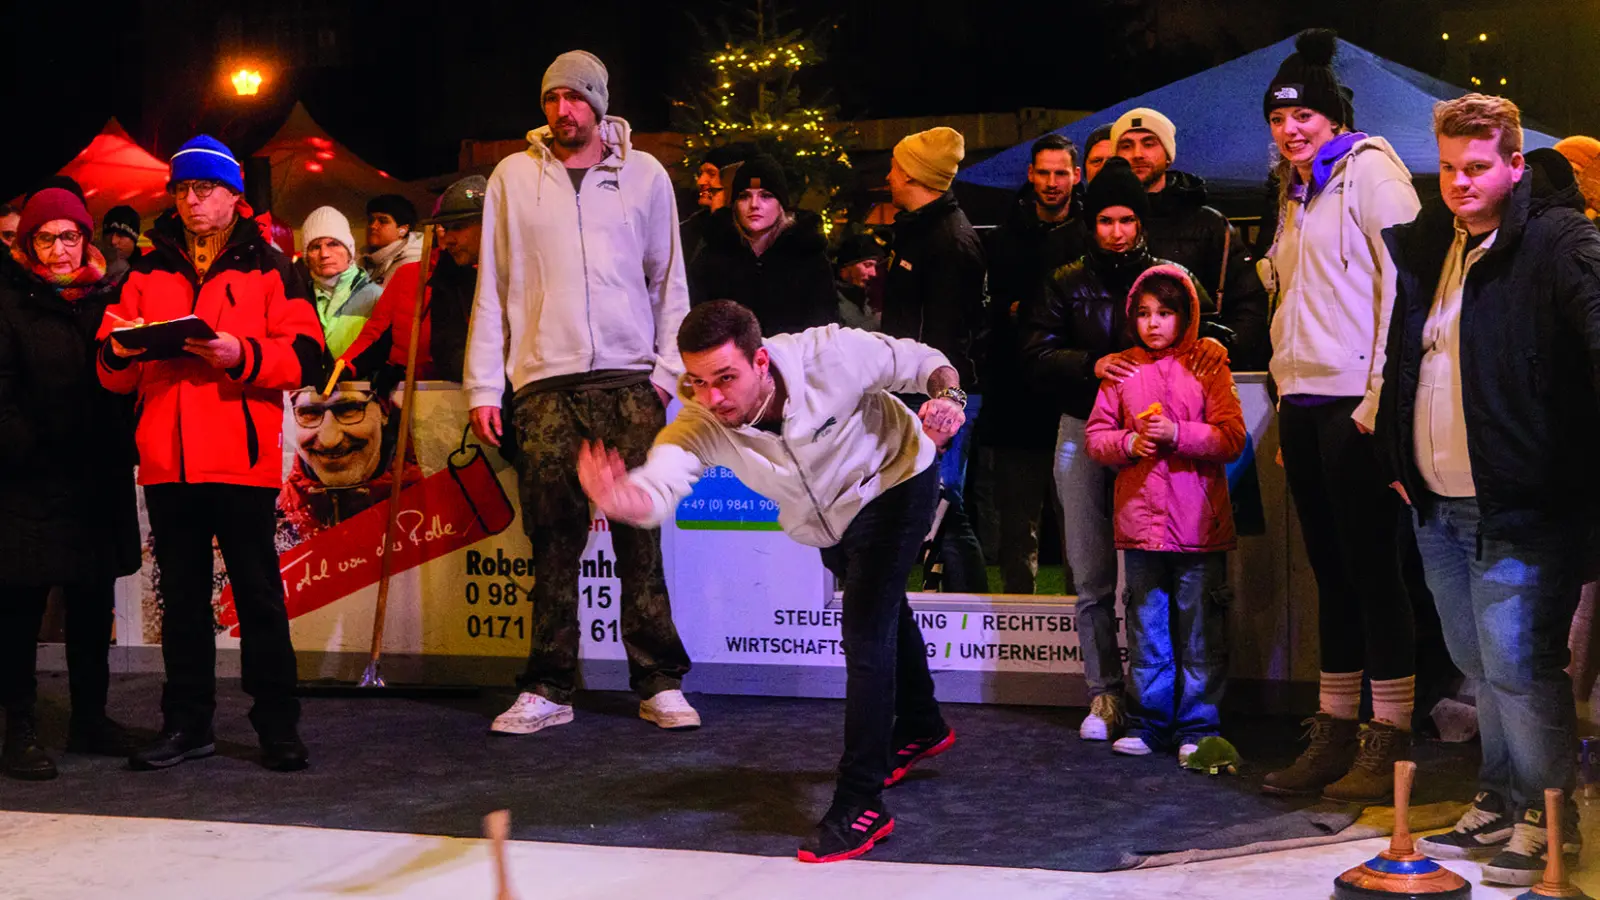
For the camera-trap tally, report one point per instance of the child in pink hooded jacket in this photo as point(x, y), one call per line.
point(1170, 433)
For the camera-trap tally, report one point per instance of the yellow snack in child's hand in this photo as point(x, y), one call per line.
point(1154, 409)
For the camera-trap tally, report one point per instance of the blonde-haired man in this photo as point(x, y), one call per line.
point(1488, 418)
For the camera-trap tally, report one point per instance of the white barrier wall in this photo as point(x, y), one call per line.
point(757, 611)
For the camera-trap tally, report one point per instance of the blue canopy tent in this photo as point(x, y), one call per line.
point(1223, 138)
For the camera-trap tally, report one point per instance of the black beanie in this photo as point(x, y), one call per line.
point(123, 220)
point(1306, 79)
point(395, 207)
point(766, 174)
point(728, 154)
point(1116, 185)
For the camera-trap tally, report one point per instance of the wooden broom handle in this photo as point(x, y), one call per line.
point(1405, 772)
point(398, 464)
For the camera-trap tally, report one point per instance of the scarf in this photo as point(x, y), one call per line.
point(381, 263)
point(72, 286)
point(1322, 167)
point(333, 293)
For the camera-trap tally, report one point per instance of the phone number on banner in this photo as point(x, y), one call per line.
point(721, 502)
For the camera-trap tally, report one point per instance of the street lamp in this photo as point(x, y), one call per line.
point(247, 82)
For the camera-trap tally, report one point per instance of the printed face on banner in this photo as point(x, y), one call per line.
point(339, 438)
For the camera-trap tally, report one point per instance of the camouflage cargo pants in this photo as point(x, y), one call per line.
point(555, 515)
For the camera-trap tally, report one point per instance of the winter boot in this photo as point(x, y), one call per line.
point(1371, 778)
point(1330, 755)
point(23, 757)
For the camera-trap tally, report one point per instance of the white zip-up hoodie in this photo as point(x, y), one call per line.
point(1336, 281)
point(572, 282)
point(846, 439)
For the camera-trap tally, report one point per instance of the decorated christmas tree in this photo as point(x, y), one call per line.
point(756, 88)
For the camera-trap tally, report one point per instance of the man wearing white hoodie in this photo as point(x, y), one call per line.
point(810, 420)
point(580, 292)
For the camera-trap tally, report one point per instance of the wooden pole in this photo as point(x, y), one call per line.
point(497, 827)
point(371, 678)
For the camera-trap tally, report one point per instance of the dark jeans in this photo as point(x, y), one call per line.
point(555, 515)
point(1177, 610)
point(1507, 607)
point(89, 610)
point(184, 518)
point(1356, 538)
point(888, 690)
point(959, 550)
point(1023, 488)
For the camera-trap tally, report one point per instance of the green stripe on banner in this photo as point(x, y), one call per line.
point(729, 526)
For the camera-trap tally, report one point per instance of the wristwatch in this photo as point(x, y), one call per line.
point(955, 394)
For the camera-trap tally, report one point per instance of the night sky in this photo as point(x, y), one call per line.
point(410, 80)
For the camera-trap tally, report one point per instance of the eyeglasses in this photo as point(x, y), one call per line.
point(44, 240)
point(201, 187)
point(345, 412)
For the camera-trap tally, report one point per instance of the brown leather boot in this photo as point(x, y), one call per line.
point(1371, 778)
point(1332, 751)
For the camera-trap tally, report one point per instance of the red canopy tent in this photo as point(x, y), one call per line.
point(115, 171)
point(311, 169)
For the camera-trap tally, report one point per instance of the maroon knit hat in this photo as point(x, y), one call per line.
point(51, 204)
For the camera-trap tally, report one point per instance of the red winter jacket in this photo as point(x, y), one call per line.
point(392, 316)
point(198, 423)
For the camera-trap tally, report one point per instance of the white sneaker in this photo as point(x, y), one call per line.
point(1105, 718)
point(532, 712)
point(1184, 753)
point(1131, 746)
point(669, 710)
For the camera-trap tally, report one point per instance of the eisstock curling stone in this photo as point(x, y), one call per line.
point(1401, 871)
point(1555, 883)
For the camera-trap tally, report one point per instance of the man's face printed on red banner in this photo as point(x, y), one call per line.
point(339, 439)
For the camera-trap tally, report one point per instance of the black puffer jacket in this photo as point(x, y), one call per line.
point(935, 288)
point(1022, 254)
point(1082, 318)
point(1530, 351)
point(789, 287)
point(68, 512)
point(1182, 228)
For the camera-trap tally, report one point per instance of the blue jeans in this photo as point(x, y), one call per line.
point(959, 550)
point(1177, 645)
point(1506, 607)
point(1084, 487)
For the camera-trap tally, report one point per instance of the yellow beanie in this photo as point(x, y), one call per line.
point(1584, 154)
point(932, 157)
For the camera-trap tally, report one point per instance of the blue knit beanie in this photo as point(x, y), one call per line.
point(205, 157)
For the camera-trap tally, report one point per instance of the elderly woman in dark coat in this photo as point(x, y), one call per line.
point(68, 512)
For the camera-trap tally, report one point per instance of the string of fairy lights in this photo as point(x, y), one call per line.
point(758, 63)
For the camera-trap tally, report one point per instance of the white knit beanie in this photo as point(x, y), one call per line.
point(327, 222)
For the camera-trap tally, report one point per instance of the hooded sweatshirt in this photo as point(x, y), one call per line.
point(571, 281)
point(845, 438)
point(1335, 279)
point(1177, 500)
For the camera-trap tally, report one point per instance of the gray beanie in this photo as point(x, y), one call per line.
point(581, 71)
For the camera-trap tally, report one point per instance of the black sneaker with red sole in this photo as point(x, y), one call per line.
point(848, 830)
point(915, 751)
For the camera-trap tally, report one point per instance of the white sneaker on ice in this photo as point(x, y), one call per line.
point(1131, 746)
point(532, 712)
point(669, 710)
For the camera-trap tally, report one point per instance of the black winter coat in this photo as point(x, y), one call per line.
point(789, 287)
point(1182, 228)
point(1530, 353)
point(68, 511)
point(935, 288)
point(1021, 254)
point(1082, 318)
